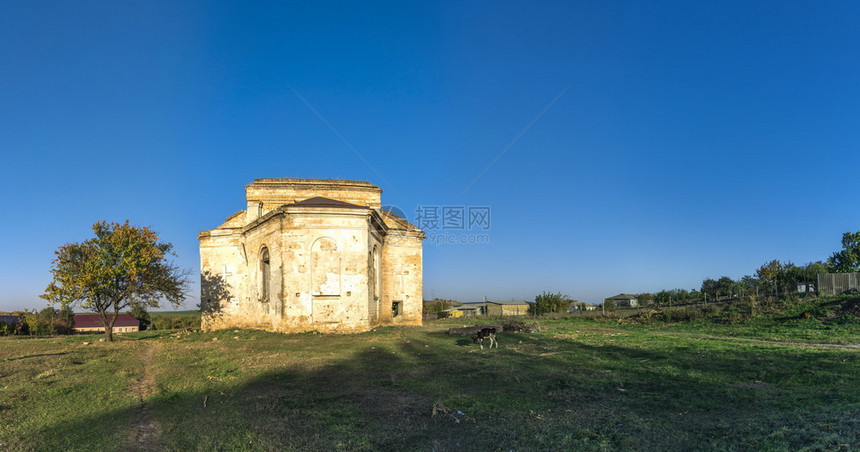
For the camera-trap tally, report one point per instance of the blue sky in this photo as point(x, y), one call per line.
point(621, 146)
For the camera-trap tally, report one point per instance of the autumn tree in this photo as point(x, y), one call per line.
point(121, 267)
point(41, 323)
point(770, 272)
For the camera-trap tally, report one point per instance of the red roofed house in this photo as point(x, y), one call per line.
point(93, 323)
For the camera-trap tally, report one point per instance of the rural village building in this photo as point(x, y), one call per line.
point(467, 310)
point(624, 300)
point(311, 255)
point(493, 308)
point(92, 323)
point(500, 308)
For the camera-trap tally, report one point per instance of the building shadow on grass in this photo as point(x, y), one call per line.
point(40, 355)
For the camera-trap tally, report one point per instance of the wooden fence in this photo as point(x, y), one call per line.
point(837, 283)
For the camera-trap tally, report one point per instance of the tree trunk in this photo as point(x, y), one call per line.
point(109, 325)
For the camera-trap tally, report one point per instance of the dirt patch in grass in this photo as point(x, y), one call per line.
point(145, 434)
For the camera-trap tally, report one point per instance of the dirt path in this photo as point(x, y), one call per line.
point(146, 432)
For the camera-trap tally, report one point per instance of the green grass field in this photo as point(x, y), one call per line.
point(577, 385)
point(174, 313)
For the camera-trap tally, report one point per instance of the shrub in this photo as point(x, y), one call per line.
point(550, 302)
point(514, 325)
point(175, 322)
point(44, 322)
point(609, 305)
point(711, 311)
point(434, 307)
point(138, 311)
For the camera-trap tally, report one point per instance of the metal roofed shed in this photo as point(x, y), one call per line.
point(623, 300)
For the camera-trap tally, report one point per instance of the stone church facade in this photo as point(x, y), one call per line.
point(311, 255)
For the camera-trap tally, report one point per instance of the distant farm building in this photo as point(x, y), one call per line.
point(623, 300)
point(500, 308)
point(493, 308)
point(581, 306)
point(467, 310)
point(92, 323)
point(837, 283)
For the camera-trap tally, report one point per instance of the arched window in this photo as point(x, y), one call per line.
point(376, 274)
point(325, 267)
point(265, 271)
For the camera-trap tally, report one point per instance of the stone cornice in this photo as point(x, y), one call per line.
point(328, 184)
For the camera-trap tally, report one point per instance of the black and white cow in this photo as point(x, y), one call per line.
point(486, 333)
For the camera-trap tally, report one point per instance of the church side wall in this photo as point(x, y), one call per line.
point(402, 280)
point(222, 273)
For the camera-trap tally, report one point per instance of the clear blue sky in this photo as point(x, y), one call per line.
point(621, 146)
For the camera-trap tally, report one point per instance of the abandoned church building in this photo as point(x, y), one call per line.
point(311, 255)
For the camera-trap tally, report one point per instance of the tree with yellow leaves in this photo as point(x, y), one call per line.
point(121, 267)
